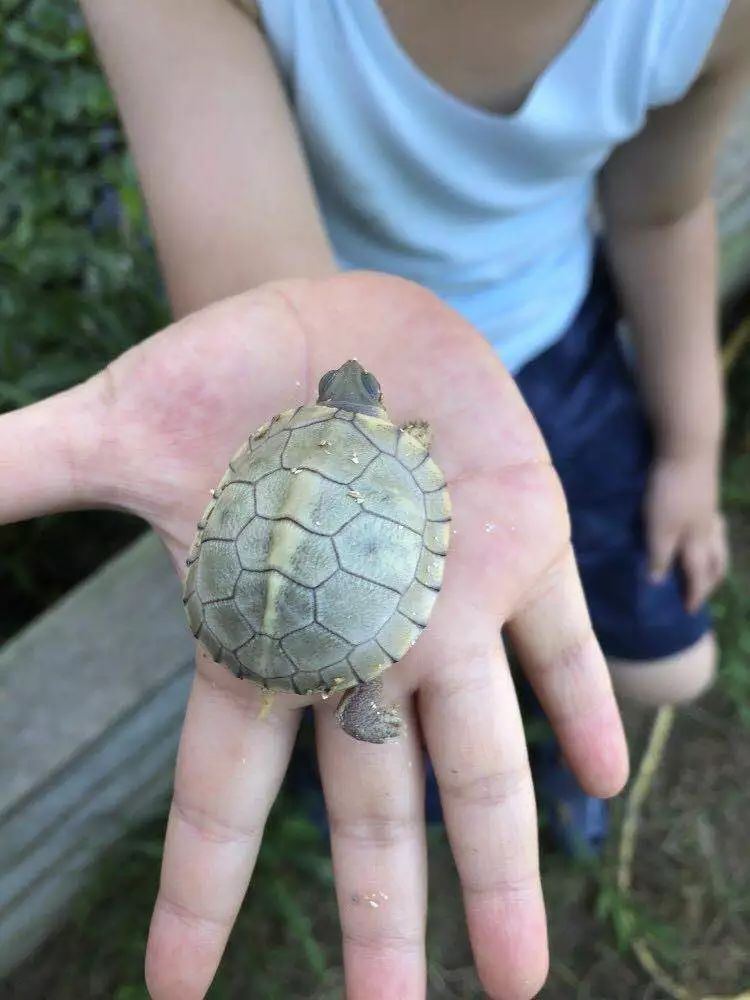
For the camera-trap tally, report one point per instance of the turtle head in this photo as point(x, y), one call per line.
point(350, 387)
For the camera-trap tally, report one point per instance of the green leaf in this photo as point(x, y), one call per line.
point(15, 87)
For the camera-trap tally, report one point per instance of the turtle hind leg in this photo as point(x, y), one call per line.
point(420, 430)
point(361, 714)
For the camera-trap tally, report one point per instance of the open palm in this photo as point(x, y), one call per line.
point(154, 432)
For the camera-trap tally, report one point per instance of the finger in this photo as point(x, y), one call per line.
point(375, 799)
point(229, 768)
point(47, 454)
point(704, 560)
point(662, 548)
point(553, 638)
point(475, 738)
point(696, 564)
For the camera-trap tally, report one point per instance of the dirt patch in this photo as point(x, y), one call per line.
point(691, 882)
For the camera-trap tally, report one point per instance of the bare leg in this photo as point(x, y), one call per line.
point(361, 714)
point(671, 680)
point(420, 430)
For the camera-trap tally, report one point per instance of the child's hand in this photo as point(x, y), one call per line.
point(154, 433)
point(684, 522)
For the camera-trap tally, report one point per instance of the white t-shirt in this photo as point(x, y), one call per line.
point(489, 211)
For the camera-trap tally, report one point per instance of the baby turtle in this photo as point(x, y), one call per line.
point(318, 561)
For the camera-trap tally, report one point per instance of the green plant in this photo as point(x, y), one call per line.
point(732, 616)
point(631, 921)
point(78, 277)
point(284, 945)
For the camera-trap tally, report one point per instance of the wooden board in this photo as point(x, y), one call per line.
point(89, 722)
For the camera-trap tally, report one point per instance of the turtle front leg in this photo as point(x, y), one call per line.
point(361, 714)
point(420, 430)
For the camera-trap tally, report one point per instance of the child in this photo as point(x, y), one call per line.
point(461, 146)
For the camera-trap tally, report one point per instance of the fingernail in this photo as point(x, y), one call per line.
point(657, 575)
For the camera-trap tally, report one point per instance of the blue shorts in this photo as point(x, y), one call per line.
point(582, 393)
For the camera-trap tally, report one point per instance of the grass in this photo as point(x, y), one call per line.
point(78, 277)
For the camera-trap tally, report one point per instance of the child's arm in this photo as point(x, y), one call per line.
point(221, 166)
point(661, 234)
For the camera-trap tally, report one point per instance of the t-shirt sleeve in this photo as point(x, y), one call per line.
point(688, 30)
point(277, 21)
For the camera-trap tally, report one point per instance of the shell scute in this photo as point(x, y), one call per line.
point(207, 511)
point(437, 536)
point(339, 675)
point(368, 660)
point(314, 647)
point(271, 493)
point(217, 570)
point(264, 657)
point(387, 488)
point(307, 558)
point(417, 602)
point(398, 634)
point(430, 569)
point(254, 542)
point(381, 433)
point(316, 503)
point(307, 682)
point(267, 456)
point(307, 415)
point(210, 643)
point(352, 607)
point(194, 612)
point(285, 546)
point(232, 511)
point(438, 505)
point(428, 476)
point(409, 451)
point(272, 603)
point(282, 421)
point(226, 623)
point(379, 550)
point(335, 450)
point(280, 684)
point(192, 573)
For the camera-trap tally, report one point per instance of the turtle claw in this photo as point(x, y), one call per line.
point(389, 725)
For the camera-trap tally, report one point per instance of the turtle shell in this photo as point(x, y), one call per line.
point(318, 561)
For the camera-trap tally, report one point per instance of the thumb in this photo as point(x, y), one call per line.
point(663, 541)
point(48, 454)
